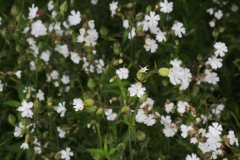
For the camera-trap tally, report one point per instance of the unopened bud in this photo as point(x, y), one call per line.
point(64, 7)
point(15, 10)
point(89, 102)
point(140, 17)
point(141, 136)
point(36, 106)
point(4, 33)
point(49, 102)
point(143, 98)
point(165, 83)
point(129, 5)
point(11, 119)
point(141, 75)
point(117, 48)
point(99, 111)
point(40, 45)
point(86, 96)
point(148, 9)
point(125, 109)
point(91, 83)
point(199, 57)
point(25, 121)
point(90, 109)
point(164, 72)
point(27, 136)
point(104, 31)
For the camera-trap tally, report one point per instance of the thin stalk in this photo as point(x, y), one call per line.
point(99, 136)
point(130, 145)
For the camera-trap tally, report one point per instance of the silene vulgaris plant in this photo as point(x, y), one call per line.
point(119, 80)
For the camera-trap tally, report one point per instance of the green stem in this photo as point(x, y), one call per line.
point(99, 136)
point(130, 145)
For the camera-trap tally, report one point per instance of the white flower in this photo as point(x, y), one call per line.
point(75, 18)
point(166, 7)
point(140, 116)
point(113, 6)
point(150, 45)
point(32, 66)
point(148, 104)
point(18, 74)
point(94, 2)
point(56, 84)
point(24, 145)
point(211, 77)
point(176, 75)
point(215, 129)
point(212, 24)
point(132, 34)
point(50, 5)
point(111, 116)
point(38, 29)
point(66, 154)
point(45, 56)
point(217, 110)
point(53, 14)
point(26, 109)
point(19, 130)
point(182, 106)
point(125, 23)
point(234, 8)
point(166, 120)
point(170, 130)
point(136, 89)
point(168, 107)
point(62, 49)
point(61, 109)
point(65, 79)
point(192, 157)
point(1, 86)
point(152, 19)
point(178, 29)
point(194, 140)
point(61, 133)
point(122, 73)
point(40, 95)
point(221, 48)
point(75, 57)
point(54, 75)
point(218, 14)
point(185, 130)
point(210, 11)
point(143, 69)
point(78, 104)
point(160, 36)
point(91, 38)
point(91, 24)
point(176, 63)
point(232, 138)
point(32, 12)
point(149, 120)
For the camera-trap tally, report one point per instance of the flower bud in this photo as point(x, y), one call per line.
point(90, 109)
point(49, 102)
point(15, 36)
point(104, 31)
point(125, 109)
point(18, 48)
point(141, 136)
point(25, 121)
point(148, 9)
point(99, 111)
point(36, 106)
point(141, 75)
point(15, 10)
point(89, 102)
point(19, 18)
point(27, 136)
point(195, 90)
point(117, 48)
point(199, 57)
point(4, 33)
point(215, 33)
point(164, 72)
point(121, 146)
point(115, 62)
point(91, 83)
point(11, 119)
point(143, 98)
point(165, 83)
point(64, 7)
point(40, 45)
point(140, 17)
point(129, 5)
point(86, 96)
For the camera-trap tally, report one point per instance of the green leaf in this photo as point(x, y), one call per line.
point(113, 150)
point(98, 151)
point(12, 103)
point(125, 35)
